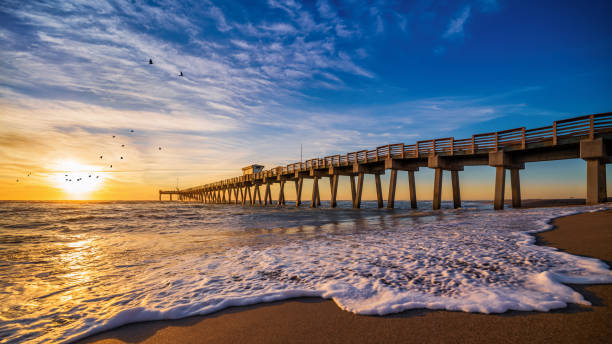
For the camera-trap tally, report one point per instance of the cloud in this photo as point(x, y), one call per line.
point(279, 28)
point(216, 13)
point(74, 77)
point(325, 9)
point(455, 27)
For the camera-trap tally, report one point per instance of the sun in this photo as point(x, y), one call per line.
point(76, 179)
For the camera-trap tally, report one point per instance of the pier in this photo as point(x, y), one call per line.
point(586, 137)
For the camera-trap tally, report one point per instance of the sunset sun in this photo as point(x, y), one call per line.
point(76, 179)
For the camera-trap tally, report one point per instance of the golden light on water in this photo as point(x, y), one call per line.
point(75, 179)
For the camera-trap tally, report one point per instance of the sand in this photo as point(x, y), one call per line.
point(321, 321)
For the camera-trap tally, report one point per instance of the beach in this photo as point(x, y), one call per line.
point(308, 320)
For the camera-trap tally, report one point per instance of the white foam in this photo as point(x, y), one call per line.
point(471, 261)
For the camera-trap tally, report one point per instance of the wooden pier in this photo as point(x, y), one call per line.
point(586, 137)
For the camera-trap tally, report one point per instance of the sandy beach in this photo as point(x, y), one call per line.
point(321, 321)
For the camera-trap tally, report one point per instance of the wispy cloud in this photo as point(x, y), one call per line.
point(455, 27)
point(73, 77)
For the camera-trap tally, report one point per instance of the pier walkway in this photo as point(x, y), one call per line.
point(586, 137)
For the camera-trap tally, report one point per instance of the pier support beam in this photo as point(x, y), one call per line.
point(378, 190)
point(247, 192)
point(353, 190)
point(501, 161)
point(412, 187)
point(515, 182)
point(268, 195)
point(596, 182)
point(392, 186)
point(359, 191)
point(298, 191)
point(333, 180)
point(456, 192)
point(437, 192)
point(594, 152)
point(500, 186)
point(281, 193)
point(315, 192)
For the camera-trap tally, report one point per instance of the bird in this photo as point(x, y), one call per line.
point(131, 130)
point(29, 174)
point(111, 166)
point(159, 148)
point(121, 158)
point(113, 136)
point(65, 175)
point(97, 177)
point(181, 74)
point(122, 145)
point(89, 176)
point(17, 180)
point(150, 61)
point(100, 156)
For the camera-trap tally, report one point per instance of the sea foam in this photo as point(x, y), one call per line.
point(385, 262)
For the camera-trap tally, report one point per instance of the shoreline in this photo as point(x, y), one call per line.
point(320, 320)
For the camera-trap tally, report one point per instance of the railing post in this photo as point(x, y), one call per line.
point(376, 153)
point(592, 127)
point(433, 146)
point(388, 151)
point(554, 133)
point(416, 152)
point(473, 145)
point(496, 141)
point(452, 146)
point(523, 138)
point(402, 155)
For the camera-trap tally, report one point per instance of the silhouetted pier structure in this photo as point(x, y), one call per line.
point(585, 137)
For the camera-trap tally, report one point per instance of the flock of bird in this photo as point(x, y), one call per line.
point(102, 156)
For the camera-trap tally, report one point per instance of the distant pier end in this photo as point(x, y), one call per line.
point(586, 137)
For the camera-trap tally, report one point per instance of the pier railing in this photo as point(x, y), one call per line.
point(518, 138)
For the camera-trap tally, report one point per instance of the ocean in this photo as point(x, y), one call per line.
point(71, 269)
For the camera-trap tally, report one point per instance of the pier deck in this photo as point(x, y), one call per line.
point(586, 137)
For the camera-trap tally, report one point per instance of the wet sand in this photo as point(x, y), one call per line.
point(321, 321)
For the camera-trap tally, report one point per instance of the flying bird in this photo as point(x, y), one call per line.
point(181, 74)
point(111, 166)
point(150, 61)
point(159, 148)
point(17, 180)
point(97, 177)
point(131, 130)
point(113, 136)
point(122, 145)
point(89, 176)
point(121, 158)
point(100, 156)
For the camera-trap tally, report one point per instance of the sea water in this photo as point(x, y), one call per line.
point(71, 269)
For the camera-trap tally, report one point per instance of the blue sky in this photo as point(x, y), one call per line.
point(262, 77)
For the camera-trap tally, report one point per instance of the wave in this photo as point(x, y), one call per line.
point(473, 261)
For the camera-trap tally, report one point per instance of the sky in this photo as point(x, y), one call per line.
point(261, 78)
